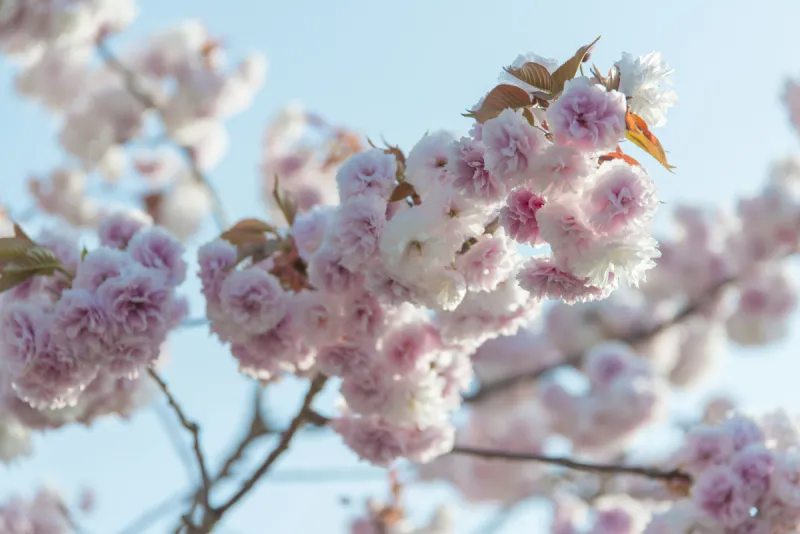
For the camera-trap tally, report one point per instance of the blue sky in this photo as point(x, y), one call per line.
point(399, 69)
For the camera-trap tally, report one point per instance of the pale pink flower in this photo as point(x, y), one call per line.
point(318, 316)
point(98, 266)
point(754, 466)
point(785, 480)
point(117, 229)
point(343, 360)
point(518, 216)
point(357, 228)
point(308, 229)
point(469, 175)
point(81, 320)
point(564, 226)
point(426, 165)
point(364, 318)
point(560, 169)
point(370, 171)
point(588, 117)
point(158, 249)
point(20, 322)
point(254, 300)
point(408, 348)
point(366, 389)
point(326, 272)
point(423, 446)
point(721, 494)
point(137, 302)
point(215, 258)
point(56, 375)
point(371, 439)
point(129, 355)
point(622, 196)
point(487, 263)
point(512, 146)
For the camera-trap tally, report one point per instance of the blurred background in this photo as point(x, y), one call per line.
point(398, 70)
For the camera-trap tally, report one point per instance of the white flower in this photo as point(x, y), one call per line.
point(628, 260)
point(412, 242)
point(643, 79)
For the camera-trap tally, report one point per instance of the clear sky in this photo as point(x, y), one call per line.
point(399, 69)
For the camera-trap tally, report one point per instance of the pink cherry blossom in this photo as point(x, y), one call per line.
point(588, 117)
point(512, 146)
point(466, 165)
point(518, 216)
point(370, 172)
point(254, 300)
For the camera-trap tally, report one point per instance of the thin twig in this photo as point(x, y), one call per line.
point(192, 428)
point(649, 472)
point(177, 440)
point(134, 87)
point(285, 440)
point(573, 360)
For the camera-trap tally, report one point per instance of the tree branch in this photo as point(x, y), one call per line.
point(134, 87)
point(213, 515)
point(573, 360)
point(649, 472)
point(192, 428)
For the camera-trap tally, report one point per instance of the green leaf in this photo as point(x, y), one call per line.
point(501, 97)
point(569, 69)
point(10, 280)
point(37, 260)
point(84, 252)
point(533, 74)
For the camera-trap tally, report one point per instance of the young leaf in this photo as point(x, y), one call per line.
point(84, 252)
point(533, 74)
point(10, 280)
point(528, 114)
point(20, 233)
point(398, 156)
point(641, 136)
point(248, 231)
point(287, 206)
point(36, 260)
point(403, 190)
point(501, 97)
point(569, 69)
point(618, 154)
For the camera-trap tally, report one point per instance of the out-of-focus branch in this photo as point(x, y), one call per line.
point(175, 436)
point(133, 85)
point(573, 360)
point(151, 515)
point(649, 472)
point(193, 429)
point(213, 515)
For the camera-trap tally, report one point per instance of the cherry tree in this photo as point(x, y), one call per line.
point(453, 293)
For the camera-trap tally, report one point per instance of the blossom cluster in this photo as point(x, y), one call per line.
point(390, 289)
point(46, 513)
point(105, 313)
point(178, 74)
point(745, 474)
point(302, 153)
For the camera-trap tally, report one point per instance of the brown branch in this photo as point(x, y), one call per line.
point(134, 87)
point(193, 429)
point(574, 360)
point(213, 515)
point(649, 472)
